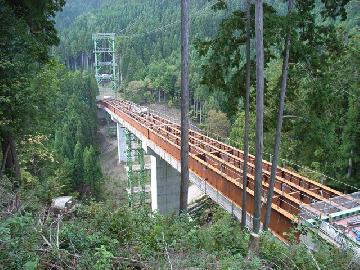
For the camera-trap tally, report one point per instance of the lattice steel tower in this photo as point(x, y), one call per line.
point(136, 177)
point(105, 61)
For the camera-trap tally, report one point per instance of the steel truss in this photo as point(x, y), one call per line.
point(105, 60)
point(134, 150)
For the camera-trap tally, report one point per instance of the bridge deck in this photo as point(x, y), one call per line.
point(220, 165)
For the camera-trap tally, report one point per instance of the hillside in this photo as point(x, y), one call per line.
point(64, 202)
point(147, 31)
point(315, 135)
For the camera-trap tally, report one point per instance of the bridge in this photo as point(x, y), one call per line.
point(216, 168)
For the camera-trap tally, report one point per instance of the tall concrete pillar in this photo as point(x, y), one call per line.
point(165, 186)
point(121, 142)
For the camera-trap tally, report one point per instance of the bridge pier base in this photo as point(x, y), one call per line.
point(165, 186)
point(120, 132)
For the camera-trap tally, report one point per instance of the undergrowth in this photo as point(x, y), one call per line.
point(102, 235)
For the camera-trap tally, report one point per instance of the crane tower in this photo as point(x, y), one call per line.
point(105, 61)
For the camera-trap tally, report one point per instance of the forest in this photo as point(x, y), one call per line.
point(49, 127)
point(320, 131)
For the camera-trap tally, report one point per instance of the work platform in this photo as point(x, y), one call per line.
point(336, 220)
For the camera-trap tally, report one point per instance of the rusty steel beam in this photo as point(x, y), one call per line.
point(220, 165)
point(289, 203)
point(288, 175)
point(309, 190)
point(305, 195)
point(283, 175)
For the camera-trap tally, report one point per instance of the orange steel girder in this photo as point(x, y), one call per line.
point(220, 165)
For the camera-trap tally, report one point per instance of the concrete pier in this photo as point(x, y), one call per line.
point(121, 142)
point(165, 186)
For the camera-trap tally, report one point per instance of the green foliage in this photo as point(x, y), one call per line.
point(78, 165)
point(299, 256)
point(104, 258)
point(237, 130)
point(149, 45)
point(217, 124)
point(137, 92)
point(75, 132)
point(28, 27)
point(18, 242)
point(52, 114)
point(320, 116)
point(321, 112)
point(237, 261)
point(92, 171)
point(50, 157)
point(101, 236)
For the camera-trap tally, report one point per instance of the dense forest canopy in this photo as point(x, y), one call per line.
point(147, 31)
point(320, 126)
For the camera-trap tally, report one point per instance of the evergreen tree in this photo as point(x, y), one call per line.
point(67, 142)
point(92, 172)
point(27, 31)
point(58, 141)
point(78, 164)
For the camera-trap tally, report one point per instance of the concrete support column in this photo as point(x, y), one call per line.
point(165, 187)
point(121, 142)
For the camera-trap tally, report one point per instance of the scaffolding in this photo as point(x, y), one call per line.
point(136, 175)
point(105, 60)
point(141, 174)
point(336, 220)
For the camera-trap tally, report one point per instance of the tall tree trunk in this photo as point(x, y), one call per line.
point(195, 109)
point(350, 168)
point(200, 112)
point(10, 158)
point(184, 186)
point(254, 237)
point(259, 112)
point(247, 115)
point(5, 152)
point(17, 172)
point(274, 164)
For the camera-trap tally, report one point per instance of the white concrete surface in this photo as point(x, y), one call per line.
point(61, 202)
point(121, 142)
point(194, 194)
point(137, 167)
point(165, 187)
point(138, 189)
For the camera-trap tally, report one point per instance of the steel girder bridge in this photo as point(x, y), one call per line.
point(216, 168)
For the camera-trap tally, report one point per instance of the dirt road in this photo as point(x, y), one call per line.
point(115, 173)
